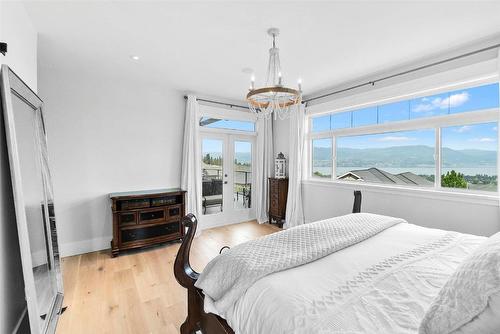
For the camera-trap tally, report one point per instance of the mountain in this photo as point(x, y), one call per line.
point(407, 156)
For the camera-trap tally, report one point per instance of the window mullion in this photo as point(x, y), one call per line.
point(437, 159)
point(334, 158)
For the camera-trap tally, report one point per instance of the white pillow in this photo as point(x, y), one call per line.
point(469, 302)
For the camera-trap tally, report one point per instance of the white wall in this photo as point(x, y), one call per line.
point(328, 200)
point(281, 130)
point(17, 30)
point(104, 136)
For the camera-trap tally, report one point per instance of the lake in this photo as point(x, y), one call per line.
point(488, 170)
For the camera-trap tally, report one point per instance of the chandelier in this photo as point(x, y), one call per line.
point(274, 97)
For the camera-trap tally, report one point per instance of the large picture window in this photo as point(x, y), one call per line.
point(447, 140)
point(400, 158)
point(322, 158)
point(469, 156)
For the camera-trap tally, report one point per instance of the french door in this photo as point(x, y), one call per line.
point(227, 174)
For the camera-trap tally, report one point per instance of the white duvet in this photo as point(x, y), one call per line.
point(381, 285)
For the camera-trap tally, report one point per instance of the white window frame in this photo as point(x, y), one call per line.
point(435, 122)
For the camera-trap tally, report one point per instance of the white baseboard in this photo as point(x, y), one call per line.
point(84, 246)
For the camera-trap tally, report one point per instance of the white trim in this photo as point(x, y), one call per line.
point(208, 131)
point(430, 193)
point(437, 158)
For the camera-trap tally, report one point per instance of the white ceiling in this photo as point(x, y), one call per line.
point(203, 46)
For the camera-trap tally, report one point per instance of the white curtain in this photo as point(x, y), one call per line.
point(264, 170)
point(294, 210)
point(191, 175)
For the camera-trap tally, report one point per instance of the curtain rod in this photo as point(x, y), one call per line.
point(373, 82)
point(221, 103)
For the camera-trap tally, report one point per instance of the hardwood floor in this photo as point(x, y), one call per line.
point(136, 292)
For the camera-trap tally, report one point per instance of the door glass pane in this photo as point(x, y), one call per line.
point(212, 175)
point(242, 192)
point(322, 158)
point(469, 157)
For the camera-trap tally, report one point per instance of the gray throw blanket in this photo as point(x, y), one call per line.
point(229, 275)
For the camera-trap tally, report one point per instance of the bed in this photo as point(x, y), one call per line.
point(382, 281)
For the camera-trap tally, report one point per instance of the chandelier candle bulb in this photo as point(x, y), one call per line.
point(274, 97)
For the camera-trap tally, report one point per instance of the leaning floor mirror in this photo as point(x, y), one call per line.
point(34, 201)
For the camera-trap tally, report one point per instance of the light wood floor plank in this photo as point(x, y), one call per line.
point(136, 292)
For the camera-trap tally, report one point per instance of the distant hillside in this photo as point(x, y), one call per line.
point(406, 156)
point(242, 157)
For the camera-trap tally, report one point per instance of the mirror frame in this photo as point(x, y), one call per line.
point(12, 84)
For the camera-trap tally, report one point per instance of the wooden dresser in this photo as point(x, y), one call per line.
point(145, 218)
point(278, 192)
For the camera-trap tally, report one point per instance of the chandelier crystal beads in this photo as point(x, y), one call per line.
point(274, 97)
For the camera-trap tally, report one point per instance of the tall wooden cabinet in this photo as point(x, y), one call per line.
point(145, 218)
point(278, 192)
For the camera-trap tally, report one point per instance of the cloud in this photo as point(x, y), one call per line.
point(483, 140)
point(451, 101)
point(458, 99)
point(463, 129)
point(395, 138)
point(495, 128)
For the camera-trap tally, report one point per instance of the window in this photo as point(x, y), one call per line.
point(405, 153)
point(393, 112)
point(458, 101)
point(322, 158)
point(341, 121)
point(429, 106)
point(210, 122)
point(399, 158)
point(469, 156)
point(321, 123)
point(362, 117)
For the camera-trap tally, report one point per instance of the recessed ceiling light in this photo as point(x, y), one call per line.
point(134, 57)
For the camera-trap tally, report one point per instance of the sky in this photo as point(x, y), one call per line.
point(482, 136)
point(215, 146)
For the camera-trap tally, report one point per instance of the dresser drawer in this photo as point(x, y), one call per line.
point(152, 216)
point(127, 218)
point(150, 232)
point(174, 212)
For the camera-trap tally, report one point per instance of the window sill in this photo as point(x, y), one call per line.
point(432, 193)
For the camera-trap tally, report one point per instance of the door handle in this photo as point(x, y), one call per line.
point(225, 182)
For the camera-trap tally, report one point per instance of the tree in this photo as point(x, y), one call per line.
point(453, 180)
